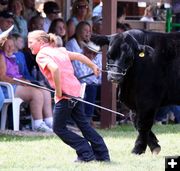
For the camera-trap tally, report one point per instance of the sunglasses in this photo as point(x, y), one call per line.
point(82, 6)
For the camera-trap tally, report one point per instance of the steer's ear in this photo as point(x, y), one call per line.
point(101, 39)
point(145, 50)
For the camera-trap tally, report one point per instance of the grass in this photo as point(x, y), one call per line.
point(49, 153)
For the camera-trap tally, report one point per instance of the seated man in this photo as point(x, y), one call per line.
point(92, 51)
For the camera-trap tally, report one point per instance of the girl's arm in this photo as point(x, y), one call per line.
point(85, 60)
point(53, 68)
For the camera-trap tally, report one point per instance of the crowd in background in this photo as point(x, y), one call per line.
point(16, 60)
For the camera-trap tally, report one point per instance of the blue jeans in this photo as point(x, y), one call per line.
point(96, 149)
point(1, 98)
point(162, 113)
point(91, 93)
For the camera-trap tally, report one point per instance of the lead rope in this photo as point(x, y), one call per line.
point(76, 98)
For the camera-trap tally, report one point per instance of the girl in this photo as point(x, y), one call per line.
point(55, 64)
point(58, 27)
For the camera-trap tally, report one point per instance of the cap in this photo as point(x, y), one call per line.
point(96, 19)
point(91, 46)
point(6, 14)
point(51, 7)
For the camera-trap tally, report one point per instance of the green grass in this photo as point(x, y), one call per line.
point(49, 153)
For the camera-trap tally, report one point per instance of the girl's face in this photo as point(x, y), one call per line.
point(60, 29)
point(9, 47)
point(86, 33)
point(34, 45)
point(39, 24)
point(19, 43)
point(17, 7)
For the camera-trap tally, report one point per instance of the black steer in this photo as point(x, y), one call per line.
point(149, 63)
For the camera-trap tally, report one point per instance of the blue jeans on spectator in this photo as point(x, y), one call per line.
point(162, 113)
point(89, 147)
point(176, 111)
point(90, 96)
point(1, 98)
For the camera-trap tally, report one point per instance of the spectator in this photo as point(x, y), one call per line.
point(6, 20)
point(36, 23)
point(176, 12)
point(20, 58)
point(82, 33)
point(97, 25)
point(148, 14)
point(2, 39)
point(93, 83)
point(51, 9)
point(162, 114)
point(160, 11)
point(80, 12)
point(121, 27)
point(55, 64)
point(121, 12)
point(58, 27)
point(20, 24)
point(29, 10)
point(70, 28)
point(39, 105)
point(97, 10)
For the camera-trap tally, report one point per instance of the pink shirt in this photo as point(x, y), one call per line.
point(69, 83)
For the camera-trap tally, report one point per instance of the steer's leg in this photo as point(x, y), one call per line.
point(143, 123)
point(153, 143)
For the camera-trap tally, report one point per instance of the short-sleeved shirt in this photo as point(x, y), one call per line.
point(69, 83)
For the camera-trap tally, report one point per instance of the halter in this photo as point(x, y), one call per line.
point(119, 73)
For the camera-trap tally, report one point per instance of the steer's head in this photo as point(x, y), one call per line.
point(121, 53)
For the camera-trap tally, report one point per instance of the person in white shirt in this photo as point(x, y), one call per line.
point(97, 10)
point(148, 14)
point(51, 9)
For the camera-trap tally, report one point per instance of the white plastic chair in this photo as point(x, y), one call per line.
point(16, 102)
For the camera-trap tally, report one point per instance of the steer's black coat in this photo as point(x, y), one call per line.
point(151, 61)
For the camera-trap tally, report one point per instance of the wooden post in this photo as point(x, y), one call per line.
point(108, 90)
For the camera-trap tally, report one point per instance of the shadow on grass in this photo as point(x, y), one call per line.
point(129, 130)
point(124, 130)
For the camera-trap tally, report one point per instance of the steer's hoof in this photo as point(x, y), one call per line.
point(138, 151)
point(156, 150)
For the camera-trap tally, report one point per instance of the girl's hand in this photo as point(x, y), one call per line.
point(58, 93)
point(96, 70)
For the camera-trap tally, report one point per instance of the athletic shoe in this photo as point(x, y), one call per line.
point(43, 128)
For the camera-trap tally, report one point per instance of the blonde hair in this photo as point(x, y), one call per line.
point(148, 9)
point(75, 9)
point(52, 39)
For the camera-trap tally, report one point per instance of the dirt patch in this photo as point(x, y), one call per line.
point(25, 133)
